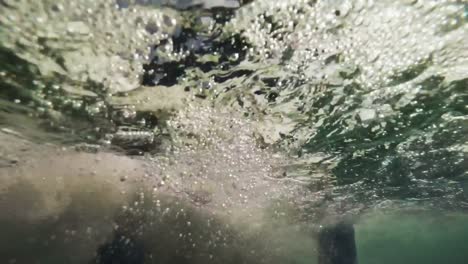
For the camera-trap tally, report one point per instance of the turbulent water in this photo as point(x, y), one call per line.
point(230, 132)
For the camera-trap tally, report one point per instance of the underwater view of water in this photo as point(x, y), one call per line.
point(224, 131)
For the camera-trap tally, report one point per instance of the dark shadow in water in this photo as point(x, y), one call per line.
point(121, 250)
point(337, 245)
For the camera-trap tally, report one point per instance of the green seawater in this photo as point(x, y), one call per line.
point(408, 238)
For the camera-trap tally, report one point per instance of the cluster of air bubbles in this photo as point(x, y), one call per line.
point(379, 39)
point(215, 162)
point(355, 61)
point(84, 51)
point(334, 77)
point(321, 72)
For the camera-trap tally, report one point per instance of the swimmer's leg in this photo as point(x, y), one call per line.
point(121, 250)
point(337, 245)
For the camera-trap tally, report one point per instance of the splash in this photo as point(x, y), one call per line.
point(306, 110)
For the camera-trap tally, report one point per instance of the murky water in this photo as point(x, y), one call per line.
point(226, 132)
